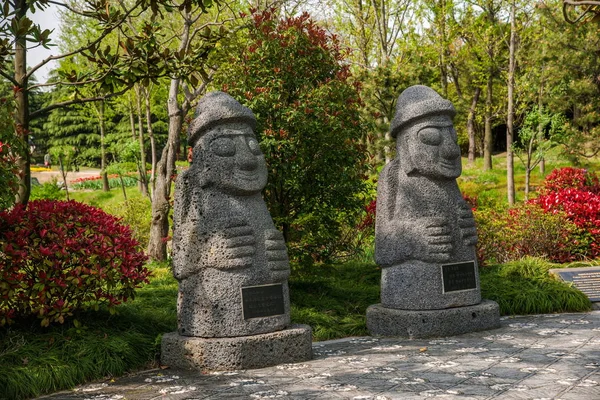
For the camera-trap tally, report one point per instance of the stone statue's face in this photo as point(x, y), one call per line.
point(232, 159)
point(432, 148)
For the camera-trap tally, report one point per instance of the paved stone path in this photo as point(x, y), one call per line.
point(531, 357)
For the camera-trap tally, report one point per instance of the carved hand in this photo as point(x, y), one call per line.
point(466, 222)
point(277, 257)
point(235, 248)
point(436, 245)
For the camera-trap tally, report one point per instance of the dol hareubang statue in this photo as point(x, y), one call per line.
point(425, 233)
point(421, 214)
point(232, 266)
point(224, 237)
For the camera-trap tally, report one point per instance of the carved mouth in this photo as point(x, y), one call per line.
point(247, 176)
point(449, 164)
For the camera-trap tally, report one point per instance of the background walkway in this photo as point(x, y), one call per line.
point(532, 357)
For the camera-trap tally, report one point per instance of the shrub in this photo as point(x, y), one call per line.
point(527, 230)
point(57, 258)
point(571, 178)
point(293, 75)
point(137, 214)
point(47, 191)
point(582, 208)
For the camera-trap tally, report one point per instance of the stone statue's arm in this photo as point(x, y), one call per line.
point(276, 253)
point(400, 239)
point(209, 243)
point(466, 222)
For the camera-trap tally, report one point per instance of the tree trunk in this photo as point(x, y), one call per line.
point(488, 139)
point(105, 185)
point(22, 111)
point(151, 136)
point(510, 171)
point(159, 228)
point(142, 163)
point(443, 50)
point(471, 125)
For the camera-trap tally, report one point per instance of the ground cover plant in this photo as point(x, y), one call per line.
point(95, 182)
point(36, 360)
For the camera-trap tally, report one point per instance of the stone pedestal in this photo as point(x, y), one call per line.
point(416, 324)
point(290, 345)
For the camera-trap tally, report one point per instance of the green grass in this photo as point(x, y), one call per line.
point(333, 299)
point(525, 287)
point(34, 360)
point(112, 198)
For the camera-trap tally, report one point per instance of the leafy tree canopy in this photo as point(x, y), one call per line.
point(292, 74)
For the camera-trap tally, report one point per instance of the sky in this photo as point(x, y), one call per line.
point(47, 19)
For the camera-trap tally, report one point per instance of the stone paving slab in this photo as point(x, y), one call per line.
point(553, 356)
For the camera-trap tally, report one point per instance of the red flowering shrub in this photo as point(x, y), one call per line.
point(582, 207)
point(568, 177)
point(59, 257)
point(528, 230)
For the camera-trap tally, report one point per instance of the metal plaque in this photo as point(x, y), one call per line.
point(586, 279)
point(459, 276)
point(262, 301)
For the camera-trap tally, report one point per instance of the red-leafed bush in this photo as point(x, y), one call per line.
point(571, 178)
point(59, 257)
point(368, 221)
point(582, 207)
point(528, 230)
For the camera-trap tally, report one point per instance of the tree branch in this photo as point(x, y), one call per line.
point(82, 49)
point(10, 78)
point(77, 101)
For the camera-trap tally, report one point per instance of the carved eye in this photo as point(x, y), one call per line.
point(254, 146)
point(223, 146)
point(430, 136)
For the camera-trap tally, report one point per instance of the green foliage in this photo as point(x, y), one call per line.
point(526, 287)
point(527, 230)
point(8, 152)
point(48, 191)
point(291, 74)
point(36, 361)
point(137, 214)
point(333, 299)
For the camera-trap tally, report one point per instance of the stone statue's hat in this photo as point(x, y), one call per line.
point(216, 108)
point(417, 102)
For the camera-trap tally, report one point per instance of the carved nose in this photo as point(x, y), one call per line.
point(450, 150)
point(247, 161)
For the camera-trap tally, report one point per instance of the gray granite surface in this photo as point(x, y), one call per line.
point(422, 221)
point(224, 238)
point(413, 324)
point(529, 357)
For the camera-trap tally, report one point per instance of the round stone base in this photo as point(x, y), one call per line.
point(416, 324)
point(244, 352)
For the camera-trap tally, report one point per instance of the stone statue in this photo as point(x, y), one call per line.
point(224, 238)
point(422, 220)
point(425, 233)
